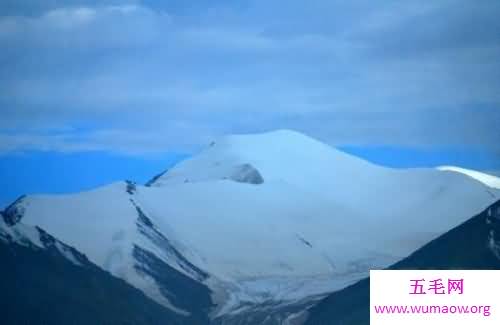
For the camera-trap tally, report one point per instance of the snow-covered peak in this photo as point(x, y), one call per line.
point(283, 155)
point(306, 164)
point(489, 180)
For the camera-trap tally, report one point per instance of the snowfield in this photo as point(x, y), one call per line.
point(276, 216)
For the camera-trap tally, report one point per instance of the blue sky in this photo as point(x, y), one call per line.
point(402, 83)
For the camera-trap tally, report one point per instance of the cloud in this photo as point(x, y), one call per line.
point(83, 29)
point(145, 78)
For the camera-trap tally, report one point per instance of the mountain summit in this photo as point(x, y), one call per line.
point(281, 155)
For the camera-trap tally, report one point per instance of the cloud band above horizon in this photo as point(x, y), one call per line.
point(144, 77)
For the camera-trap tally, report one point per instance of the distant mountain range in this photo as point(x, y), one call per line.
point(253, 230)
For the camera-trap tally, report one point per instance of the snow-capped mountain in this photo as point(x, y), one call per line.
point(254, 219)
